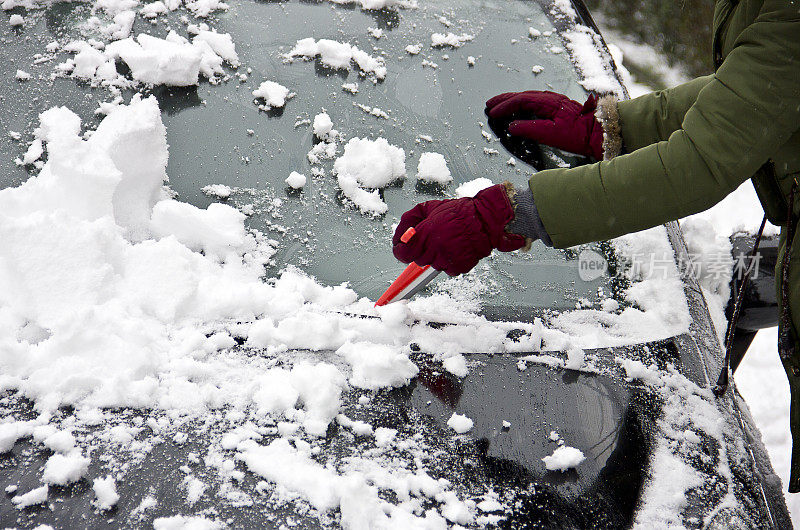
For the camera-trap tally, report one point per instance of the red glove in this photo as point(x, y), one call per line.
point(454, 235)
point(551, 119)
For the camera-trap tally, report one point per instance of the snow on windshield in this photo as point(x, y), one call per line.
point(113, 294)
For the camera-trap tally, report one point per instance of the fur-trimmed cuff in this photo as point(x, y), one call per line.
point(608, 116)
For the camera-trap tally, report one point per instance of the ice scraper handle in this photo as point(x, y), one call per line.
point(411, 281)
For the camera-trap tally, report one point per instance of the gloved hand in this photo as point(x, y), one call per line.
point(454, 235)
point(551, 119)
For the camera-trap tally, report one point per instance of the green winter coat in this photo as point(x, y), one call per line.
point(692, 145)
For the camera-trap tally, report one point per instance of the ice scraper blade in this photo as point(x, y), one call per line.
point(411, 281)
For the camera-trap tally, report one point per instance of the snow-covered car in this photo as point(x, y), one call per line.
point(202, 350)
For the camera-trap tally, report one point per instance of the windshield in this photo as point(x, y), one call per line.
point(430, 109)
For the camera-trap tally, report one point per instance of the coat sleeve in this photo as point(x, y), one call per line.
point(653, 117)
point(741, 117)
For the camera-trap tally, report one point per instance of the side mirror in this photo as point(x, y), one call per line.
point(760, 305)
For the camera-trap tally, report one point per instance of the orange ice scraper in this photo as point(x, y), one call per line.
point(411, 281)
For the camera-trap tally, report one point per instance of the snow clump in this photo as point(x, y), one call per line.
point(33, 497)
point(369, 164)
point(460, 423)
point(563, 458)
point(337, 55)
point(296, 180)
point(273, 94)
point(323, 126)
point(15, 20)
point(451, 39)
point(217, 190)
point(432, 167)
point(469, 189)
point(105, 492)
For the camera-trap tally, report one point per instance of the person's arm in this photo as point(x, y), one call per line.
point(749, 108)
point(652, 117)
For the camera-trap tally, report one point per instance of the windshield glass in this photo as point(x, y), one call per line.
point(433, 102)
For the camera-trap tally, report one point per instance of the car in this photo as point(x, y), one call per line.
point(549, 389)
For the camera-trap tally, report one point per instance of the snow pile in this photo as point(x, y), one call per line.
point(273, 94)
point(33, 497)
point(432, 167)
point(369, 164)
point(563, 458)
point(460, 423)
point(105, 491)
point(377, 365)
point(61, 470)
point(413, 49)
point(295, 180)
point(15, 20)
point(337, 55)
point(439, 40)
point(152, 61)
point(470, 188)
point(217, 190)
point(185, 522)
point(323, 126)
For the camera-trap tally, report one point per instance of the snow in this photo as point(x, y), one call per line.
point(221, 43)
point(15, 20)
point(105, 491)
point(575, 359)
point(33, 497)
point(350, 87)
point(322, 126)
point(460, 423)
point(377, 366)
point(217, 190)
point(64, 469)
point(60, 442)
point(456, 365)
point(295, 180)
point(582, 43)
point(273, 94)
point(413, 49)
point(203, 8)
point(337, 55)
point(432, 167)
point(563, 458)
point(22, 75)
point(369, 164)
point(451, 39)
point(184, 522)
point(470, 188)
point(471, 61)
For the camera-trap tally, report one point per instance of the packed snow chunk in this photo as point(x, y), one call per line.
point(460, 423)
point(16, 20)
point(384, 436)
point(60, 442)
point(322, 126)
point(273, 94)
point(221, 43)
point(22, 75)
point(157, 61)
point(583, 46)
point(65, 469)
point(34, 152)
point(469, 189)
point(293, 469)
point(377, 365)
point(456, 365)
point(575, 358)
point(470, 61)
point(12, 431)
point(217, 190)
point(186, 522)
point(105, 492)
point(350, 87)
point(296, 180)
point(637, 370)
point(413, 49)
point(451, 39)
point(33, 497)
point(203, 8)
point(371, 164)
point(153, 9)
point(337, 55)
point(218, 230)
point(432, 167)
point(563, 458)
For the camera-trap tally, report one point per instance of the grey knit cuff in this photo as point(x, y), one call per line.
point(607, 114)
point(526, 220)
